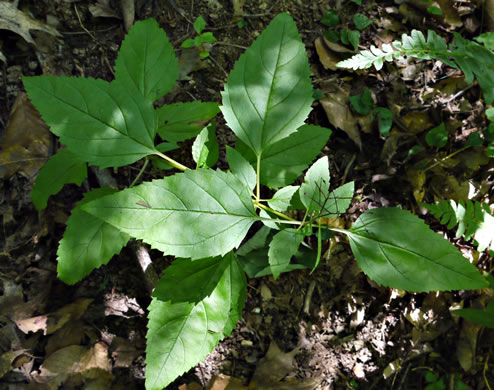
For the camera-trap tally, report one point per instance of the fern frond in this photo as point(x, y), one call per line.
point(475, 60)
point(474, 220)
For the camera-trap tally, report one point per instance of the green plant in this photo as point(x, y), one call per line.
point(202, 39)
point(474, 59)
point(364, 105)
point(201, 216)
point(474, 220)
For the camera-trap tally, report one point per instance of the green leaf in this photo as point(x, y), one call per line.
point(434, 10)
point(146, 61)
point(88, 242)
point(487, 39)
point(257, 241)
point(62, 168)
point(285, 161)
point(199, 24)
point(396, 249)
point(281, 199)
point(385, 117)
point(354, 38)
point(256, 263)
point(314, 191)
point(330, 19)
point(481, 317)
point(180, 335)
point(489, 113)
point(474, 220)
point(101, 122)
point(268, 94)
point(181, 121)
point(190, 280)
point(205, 150)
point(361, 21)
point(358, 2)
point(339, 200)
point(241, 168)
point(363, 103)
point(437, 137)
point(281, 249)
point(207, 37)
point(196, 214)
point(188, 43)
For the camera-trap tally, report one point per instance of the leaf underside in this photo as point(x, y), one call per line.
point(396, 249)
point(180, 335)
point(281, 249)
point(195, 214)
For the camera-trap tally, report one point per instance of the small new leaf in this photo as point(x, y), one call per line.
point(205, 150)
point(281, 249)
point(314, 191)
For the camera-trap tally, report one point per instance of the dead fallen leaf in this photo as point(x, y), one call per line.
point(224, 382)
point(72, 333)
point(50, 323)
point(91, 363)
point(128, 12)
point(328, 58)
point(340, 115)
point(467, 344)
point(27, 141)
point(417, 121)
point(6, 360)
point(417, 178)
point(103, 9)
point(17, 21)
point(123, 352)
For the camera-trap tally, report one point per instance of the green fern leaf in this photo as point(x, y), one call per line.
point(474, 220)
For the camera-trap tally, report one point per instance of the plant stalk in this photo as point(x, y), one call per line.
point(171, 161)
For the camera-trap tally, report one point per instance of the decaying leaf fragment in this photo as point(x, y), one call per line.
point(17, 21)
point(26, 144)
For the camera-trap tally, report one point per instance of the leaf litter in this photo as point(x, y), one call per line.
point(335, 346)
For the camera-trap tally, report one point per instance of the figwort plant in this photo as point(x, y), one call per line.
point(201, 216)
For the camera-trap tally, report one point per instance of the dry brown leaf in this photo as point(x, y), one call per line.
point(224, 382)
point(417, 121)
point(17, 21)
point(275, 366)
point(340, 115)
point(27, 141)
point(328, 58)
point(72, 333)
point(6, 360)
point(238, 7)
point(123, 352)
point(91, 363)
point(128, 12)
point(417, 177)
point(467, 344)
point(50, 323)
point(448, 187)
point(103, 9)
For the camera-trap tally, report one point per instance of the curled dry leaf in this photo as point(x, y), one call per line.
point(27, 141)
point(103, 9)
point(17, 21)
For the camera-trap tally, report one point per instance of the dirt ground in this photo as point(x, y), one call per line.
point(332, 329)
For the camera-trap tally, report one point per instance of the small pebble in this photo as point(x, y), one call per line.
point(246, 343)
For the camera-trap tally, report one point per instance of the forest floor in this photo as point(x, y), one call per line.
point(332, 329)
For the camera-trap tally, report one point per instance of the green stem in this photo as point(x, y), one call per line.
point(261, 206)
point(445, 158)
point(258, 178)
point(146, 162)
point(172, 162)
